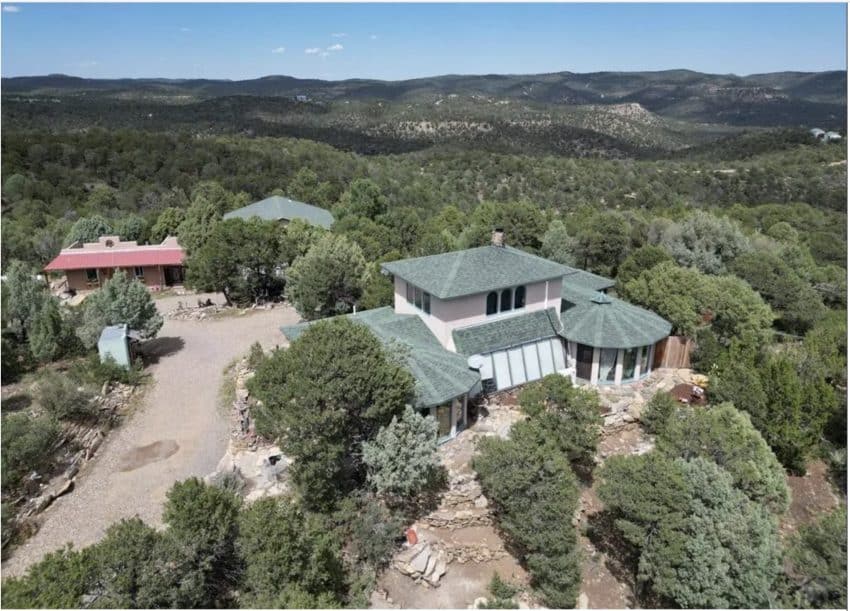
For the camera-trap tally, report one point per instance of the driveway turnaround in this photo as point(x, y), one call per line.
point(179, 430)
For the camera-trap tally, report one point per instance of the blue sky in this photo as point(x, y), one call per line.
point(397, 41)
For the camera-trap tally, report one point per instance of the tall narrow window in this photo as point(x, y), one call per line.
point(417, 298)
point(644, 360)
point(492, 303)
point(506, 304)
point(138, 272)
point(91, 275)
point(608, 364)
point(426, 302)
point(519, 297)
point(409, 292)
point(630, 356)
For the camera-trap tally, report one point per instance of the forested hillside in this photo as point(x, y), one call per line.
point(705, 197)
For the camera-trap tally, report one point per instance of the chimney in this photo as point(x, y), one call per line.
point(498, 238)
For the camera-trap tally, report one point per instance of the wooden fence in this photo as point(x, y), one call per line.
point(673, 352)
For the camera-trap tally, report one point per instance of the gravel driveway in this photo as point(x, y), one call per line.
point(178, 431)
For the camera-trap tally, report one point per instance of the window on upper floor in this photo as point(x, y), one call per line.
point(506, 300)
point(492, 303)
point(519, 297)
point(506, 303)
point(419, 299)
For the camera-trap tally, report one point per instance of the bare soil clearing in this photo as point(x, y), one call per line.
point(461, 528)
point(177, 432)
point(812, 495)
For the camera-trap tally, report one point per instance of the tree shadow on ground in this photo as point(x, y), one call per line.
point(16, 403)
point(153, 350)
point(621, 558)
point(429, 499)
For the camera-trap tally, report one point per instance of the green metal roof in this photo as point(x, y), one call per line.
point(507, 332)
point(595, 319)
point(440, 375)
point(475, 270)
point(276, 208)
point(587, 280)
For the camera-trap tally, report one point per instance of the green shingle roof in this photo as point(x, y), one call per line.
point(475, 270)
point(507, 332)
point(440, 375)
point(595, 319)
point(278, 208)
point(587, 280)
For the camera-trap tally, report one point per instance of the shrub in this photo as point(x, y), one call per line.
point(371, 529)
point(58, 581)
point(26, 446)
point(402, 458)
point(255, 356)
point(96, 372)
point(332, 389)
point(699, 542)
point(565, 415)
point(818, 555)
point(328, 279)
point(284, 547)
point(534, 492)
point(121, 300)
point(658, 411)
point(501, 595)
point(726, 436)
point(61, 398)
point(202, 528)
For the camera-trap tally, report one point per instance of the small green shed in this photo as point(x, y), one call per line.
point(115, 342)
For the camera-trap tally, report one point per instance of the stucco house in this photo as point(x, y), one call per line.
point(88, 265)
point(283, 209)
point(495, 317)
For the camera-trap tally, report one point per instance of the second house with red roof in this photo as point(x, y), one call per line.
point(88, 265)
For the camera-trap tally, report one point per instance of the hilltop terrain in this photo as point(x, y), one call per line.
point(605, 114)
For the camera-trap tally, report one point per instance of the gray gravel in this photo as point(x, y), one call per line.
point(182, 408)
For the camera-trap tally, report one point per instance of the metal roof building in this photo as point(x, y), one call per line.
point(277, 208)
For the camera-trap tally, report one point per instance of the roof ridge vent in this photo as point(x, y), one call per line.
point(601, 298)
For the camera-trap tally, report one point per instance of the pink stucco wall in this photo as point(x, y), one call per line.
point(447, 315)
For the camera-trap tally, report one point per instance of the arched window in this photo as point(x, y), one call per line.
point(492, 303)
point(519, 297)
point(506, 304)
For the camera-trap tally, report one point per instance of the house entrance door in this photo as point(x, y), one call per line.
point(444, 421)
point(173, 275)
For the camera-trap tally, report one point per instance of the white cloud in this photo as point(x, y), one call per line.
point(312, 51)
point(279, 50)
point(339, 35)
point(373, 37)
point(185, 29)
point(336, 47)
point(10, 8)
point(324, 54)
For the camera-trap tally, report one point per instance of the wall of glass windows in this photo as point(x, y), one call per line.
point(610, 365)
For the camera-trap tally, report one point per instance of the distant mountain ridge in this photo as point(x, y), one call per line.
point(773, 99)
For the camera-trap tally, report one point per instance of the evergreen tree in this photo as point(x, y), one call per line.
point(328, 279)
point(119, 301)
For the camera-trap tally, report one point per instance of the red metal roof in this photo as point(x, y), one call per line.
point(138, 257)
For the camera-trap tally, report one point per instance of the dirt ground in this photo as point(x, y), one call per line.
point(812, 495)
point(461, 528)
point(177, 432)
